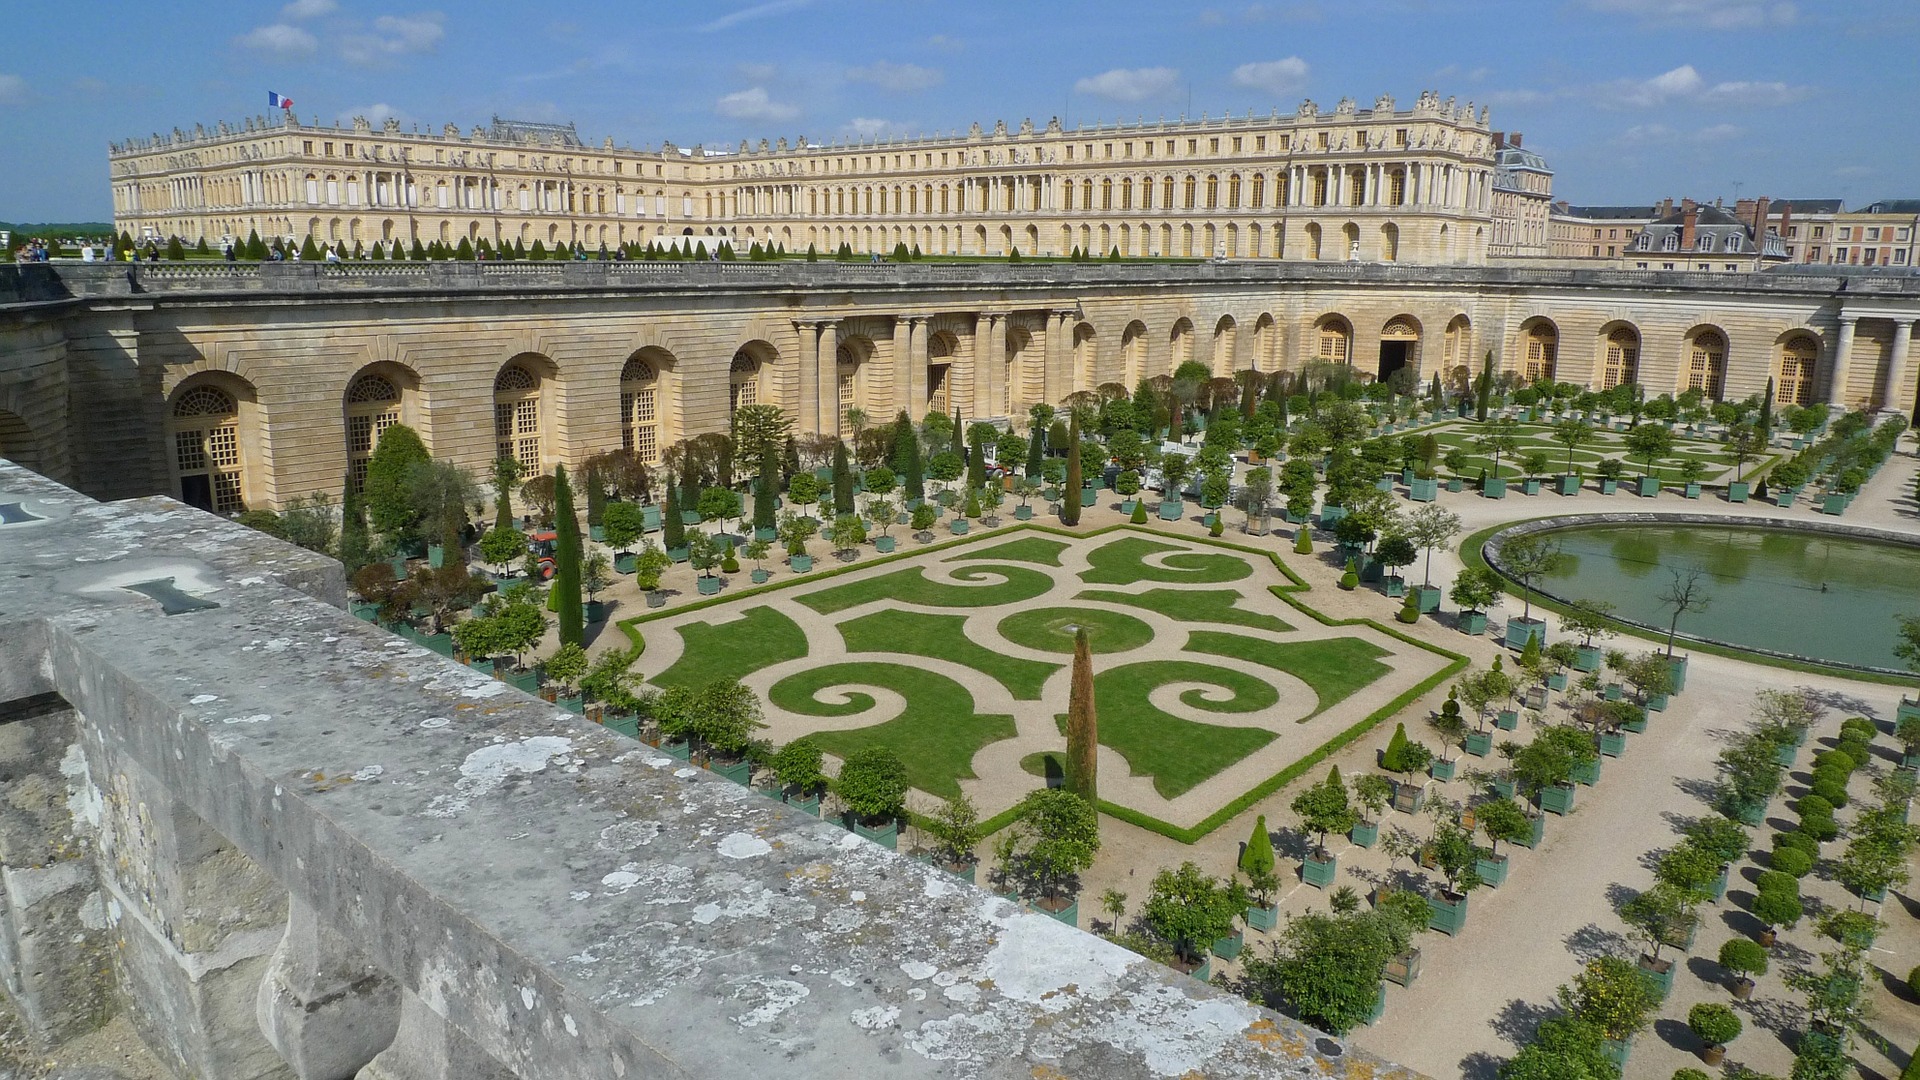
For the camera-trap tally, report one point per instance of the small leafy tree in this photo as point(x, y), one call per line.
point(1454, 852)
point(1372, 793)
point(1610, 994)
point(1058, 835)
point(1324, 809)
point(955, 828)
point(1502, 819)
point(1527, 558)
point(873, 784)
point(798, 767)
point(1189, 910)
point(1257, 861)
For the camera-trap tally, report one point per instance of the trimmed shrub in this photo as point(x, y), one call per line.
point(1860, 752)
point(1139, 513)
point(1827, 758)
point(1834, 794)
point(1792, 861)
point(1774, 881)
point(1913, 986)
point(1860, 727)
point(1797, 840)
point(1831, 773)
point(1822, 829)
point(1813, 806)
point(1303, 543)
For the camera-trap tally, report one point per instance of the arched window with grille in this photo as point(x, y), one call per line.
point(373, 406)
point(846, 371)
point(1541, 349)
point(640, 410)
point(516, 417)
point(1707, 363)
point(1622, 363)
point(1233, 192)
point(743, 382)
point(1798, 359)
point(1257, 196)
point(1333, 338)
point(205, 425)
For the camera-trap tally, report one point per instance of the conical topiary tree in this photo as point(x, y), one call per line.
point(766, 488)
point(842, 480)
point(1070, 500)
point(596, 495)
point(1257, 861)
point(567, 555)
point(355, 550)
point(308, 252)
point(1083, 724)
point(1485, 389)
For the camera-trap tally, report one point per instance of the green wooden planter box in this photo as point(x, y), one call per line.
point(1658, 981)
point(1737, 491)
point(958, 526)
point(883, 544)
point(625, 725)
point(1479, 743)
point(1426, 598)
point(1608, 487)
point(678, 750)
point(627, 563)
point(888, 836)
point(1613, 743)
point(1023, 513)
point(1379, 1006)
point(1331, 516)
point(740, 772)
point(808, 803)
point(1538, 833)
point(1396, 586)
point(769, 535)
point(1456, 484)
point(1228, 948)
point(1403, 969)
point(441, 643)
point(1506, 719)
point(1677, 667)
point(1447, 914)
point(1692, 491)
point(1441, 769)
point(1613, 692)
point(1204, 971)
point(1519, 630)
point(1648, 486)
point(1587, 658)
point(1473, 622)
point(679, 554)
point(1502, 786)
point(1364, 834)
point(594, 611)
point(759, 576)
point(576, 705)
point(1424, 490)
point(1495, 487)
point(1656, 703)
point(1069, 914)
point(1172, 509)
point(1833, 504)
point(1587, 772)
point(1263, 918)
point(1785, 498)
point(525, 681)
point(364, 611)
point(1637, 725)
point(1567, 485)
point(1530, 486)
point(1717, 891)
point(1319, 873)
point(800, 564)
point(1492, 870)
point(1557, 799)
point(1385, 483)
point(1409, 798)
point(968, 873)
point(1089, 497)
point(708, 586)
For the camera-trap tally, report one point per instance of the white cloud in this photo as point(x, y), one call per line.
point(900, 78)
point(1130, 84)
point(279, 39)
point(1720, 132)
point(1758, 94)
point(1855, 170)
point(1276, 77)
point(946, 43)
point(758, 11)
point(1509, 98)
point(308, 9)
point(393, 36)
point(1642, 134)
point(13, 89)
point(378, 114)
point(868, 127)
point(1685, 84)
point(757, 73)
point(1713, 14)
point(753, 104)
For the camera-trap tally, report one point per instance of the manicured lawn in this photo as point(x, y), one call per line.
point(911, 586)
point(936, 735)
point(1193, 605)
point(1051, 629)
point(1334, 667)
point(944, 637)
point(1179, 754)
point(1029, 549)
point(760, 637)
point(1123, 562)
point(1603, 445)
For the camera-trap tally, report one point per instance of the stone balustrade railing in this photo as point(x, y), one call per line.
point(294, 845)
point(51, 281)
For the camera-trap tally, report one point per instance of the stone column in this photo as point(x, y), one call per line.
point(808, 406)
point(828, 349)
point(916, 381)
point(1061, 379)
point(1899, 395)
point(1842, 359)
point(322, 1005)
point(900, 354)
point(989, 386)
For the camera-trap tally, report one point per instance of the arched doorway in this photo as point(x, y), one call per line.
point(209, 467)
point(1225, 337)
point(1455, 345)
point(640, 408)
point(517, 431)
point(1620, 356)
point(1539, 349)
point(1133, 352)
point(1085, 370)
point(1332, 340)
point(1179, 344)
point(941, 348)
point(743, 382)
point(1399, 346)
point(849, 362)
point(1706, 361)
point(1799, 356)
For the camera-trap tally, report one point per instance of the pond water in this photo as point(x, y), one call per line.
point(1805, 593)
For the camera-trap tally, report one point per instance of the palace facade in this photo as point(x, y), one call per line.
point(246, 385)
point(1384, 184)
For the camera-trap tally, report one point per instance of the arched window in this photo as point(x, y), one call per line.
point(1333, 338)
point(1166, 193)
point(1233, 192)
point(1086, 194)
point(516, 417)
point(1192, 187)
point(373, 406)
point(940, 348)
point(847, 374)
point(1798, 358)
point(1622, 364)
point(743, 382)
point(1542, 347)
point(1707, 363)
point(1126, 193)
point(1213, 193)
point(206, 449)
point(640, 410)
point(1259, 191)
point(1106, 194)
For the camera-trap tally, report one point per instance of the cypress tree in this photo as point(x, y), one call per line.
point(1395, 755)
point(813, 255)
point(566, 573)
point(389, 484)
point(673, 531)
point(1257, 861)
point(977, 466)
point(175, 253)
point(596, 495)
point(256, 248)
point(417, 253)
point(766, 488)
point(1083, 725)
point(355, 550)
point(1070, 502)
point(913, 470)
point(958, 446)
point(1433, 389)
point(465, 251)
point(1486, 388)
point(539, 250)
point(201, 247)
point(308, 252)
point(1766, 414)
point(1036, 450)
point(842, 480)
point(379, 252)
point(902, 432)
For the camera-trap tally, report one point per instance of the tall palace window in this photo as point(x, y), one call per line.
point(743, 382)
point(639, 415)
point(516, 417)
point(1797, 360)
point(206, 449)
point(1707, 363)
point(373, 406)
point(1623, 359)
point(1543, 346)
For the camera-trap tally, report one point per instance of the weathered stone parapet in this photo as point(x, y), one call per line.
point(544, 894)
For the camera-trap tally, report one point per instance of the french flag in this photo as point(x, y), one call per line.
point(276, 101)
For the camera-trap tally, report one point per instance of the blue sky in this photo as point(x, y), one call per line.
point(1629, 100)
